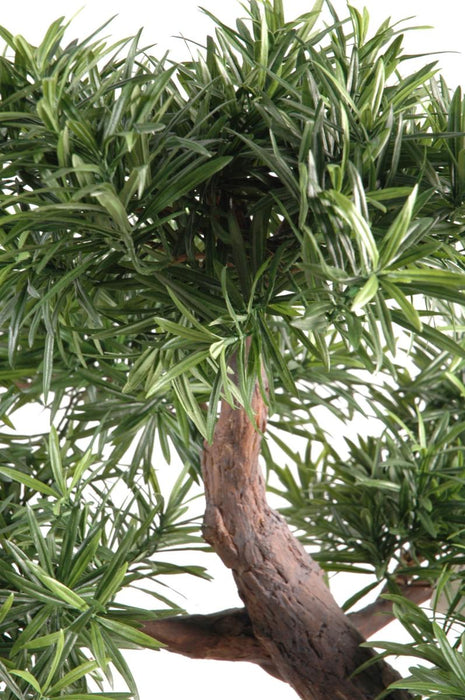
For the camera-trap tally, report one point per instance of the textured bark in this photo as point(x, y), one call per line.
point(228, 635)
point(223, 636)
point(311, 643)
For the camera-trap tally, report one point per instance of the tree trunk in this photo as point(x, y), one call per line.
point(291, 625)
point(309, 642)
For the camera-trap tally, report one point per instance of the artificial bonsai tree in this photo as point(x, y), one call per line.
point(204, 259)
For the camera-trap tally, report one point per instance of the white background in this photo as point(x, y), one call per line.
point(162, 675)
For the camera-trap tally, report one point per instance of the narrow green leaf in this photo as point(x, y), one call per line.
point(310, 20)
point(42, 642)
point(407, 308)
point(82, 465)
point(358, 224)
point(428, 275)
point(141, 369)
point(365, 294)
point(273, 351)
point(97, 645)
point(397, 231)
point(456, 382)
point(107, 197)
point(378, 484)
point(455, 660)
point(29, 678)
point(82, 559)
point(65, 281)
point(264, 48)
point(440, 340)
point(29, 481)
point(111, 589)
point(40, 541)
point(55, 460)
point(185, 394)
point(188, 315)
point(350, 602)
point(72, 676)
point(63, 592)
point(129, 634)
point(60, 643)
point(184, 183)
point(180, 331)
point(185, 365)
point(6, 678)
point(6, 607)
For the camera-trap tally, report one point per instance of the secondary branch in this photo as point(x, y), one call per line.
point(228, 635)
point(224, 636)
point(378, 614)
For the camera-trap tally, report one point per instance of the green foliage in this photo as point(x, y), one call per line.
point(400, 491)
point(293, 195)
point(444, 676)
point(73, 535)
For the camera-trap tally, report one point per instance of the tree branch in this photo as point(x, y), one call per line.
point(228, 635)
point(378, 614)
point(224, 636)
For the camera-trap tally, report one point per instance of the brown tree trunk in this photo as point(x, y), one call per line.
point(306, 639)
point(291, 625)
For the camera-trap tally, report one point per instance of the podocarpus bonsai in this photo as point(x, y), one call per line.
point(271, 228)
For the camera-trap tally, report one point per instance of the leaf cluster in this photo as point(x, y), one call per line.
point(73, 538)
point(444, 677)
point(285, 184)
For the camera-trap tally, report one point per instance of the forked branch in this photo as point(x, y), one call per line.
point(228, 635)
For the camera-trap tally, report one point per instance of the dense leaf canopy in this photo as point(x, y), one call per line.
point(292, 194)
